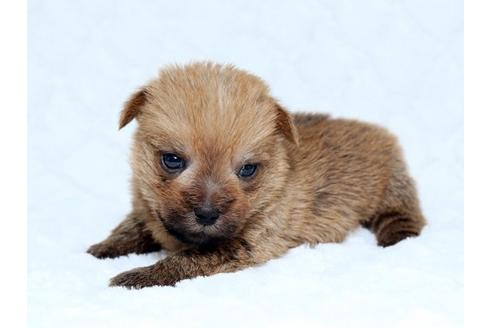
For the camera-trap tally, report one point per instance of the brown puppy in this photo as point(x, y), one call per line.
point(224, 178)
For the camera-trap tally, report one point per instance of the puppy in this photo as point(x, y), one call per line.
point(225, 178)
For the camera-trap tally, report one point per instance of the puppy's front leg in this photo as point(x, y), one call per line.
point(192, 263)
point(130, 236)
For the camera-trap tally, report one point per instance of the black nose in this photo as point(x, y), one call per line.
point(206, 216)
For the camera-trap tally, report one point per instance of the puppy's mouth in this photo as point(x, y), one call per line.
point(183, 228)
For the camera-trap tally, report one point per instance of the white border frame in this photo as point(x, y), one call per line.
point(478, 162)
point(13, 163)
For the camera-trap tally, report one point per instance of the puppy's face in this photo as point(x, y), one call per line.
point(210, 151)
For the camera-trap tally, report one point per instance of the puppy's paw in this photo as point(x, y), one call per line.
point(104, 250)
point(141, 277)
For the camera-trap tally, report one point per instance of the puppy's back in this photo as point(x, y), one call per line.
point(351, 172)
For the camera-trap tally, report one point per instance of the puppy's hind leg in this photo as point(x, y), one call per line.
point(400, 216)
point(130, 236)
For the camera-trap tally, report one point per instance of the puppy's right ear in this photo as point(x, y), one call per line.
point(285, 125)
point(132, 107)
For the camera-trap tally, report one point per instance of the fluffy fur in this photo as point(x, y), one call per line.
point(318, 178)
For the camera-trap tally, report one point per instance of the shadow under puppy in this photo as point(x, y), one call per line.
point(224, 178)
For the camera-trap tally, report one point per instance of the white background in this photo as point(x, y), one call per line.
point(396, 63)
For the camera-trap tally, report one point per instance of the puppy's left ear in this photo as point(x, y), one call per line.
point(132, 107)
point(285, 125)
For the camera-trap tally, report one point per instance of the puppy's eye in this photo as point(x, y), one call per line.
point(172, 162)
point(247, 170)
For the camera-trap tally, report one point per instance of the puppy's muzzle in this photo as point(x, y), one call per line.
point(206, 215)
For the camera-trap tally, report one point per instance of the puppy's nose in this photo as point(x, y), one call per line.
point(206, 215)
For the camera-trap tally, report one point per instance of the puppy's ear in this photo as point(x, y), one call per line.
point(132, 107)
point(285, 125)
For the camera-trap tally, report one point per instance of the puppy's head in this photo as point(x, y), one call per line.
point(211, 150)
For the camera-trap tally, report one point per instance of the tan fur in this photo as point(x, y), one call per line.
point(318, 178)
